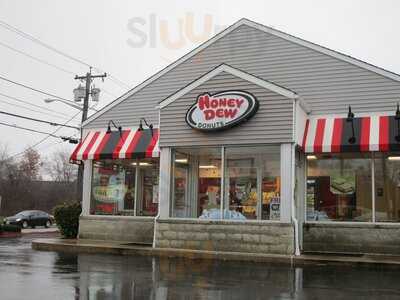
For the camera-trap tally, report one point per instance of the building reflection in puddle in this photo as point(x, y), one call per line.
point(166, 278)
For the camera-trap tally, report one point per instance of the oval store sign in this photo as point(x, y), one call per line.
point(221, 110)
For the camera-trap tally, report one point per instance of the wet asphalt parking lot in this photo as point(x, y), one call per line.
point(30, 274)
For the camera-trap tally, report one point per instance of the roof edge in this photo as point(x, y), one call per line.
point(325, 50)
point(233, 71)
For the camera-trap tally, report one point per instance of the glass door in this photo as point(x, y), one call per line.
point(148, 172)
point(242, 183)
point(180, 193)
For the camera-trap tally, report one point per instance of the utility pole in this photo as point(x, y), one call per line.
point(88, 78)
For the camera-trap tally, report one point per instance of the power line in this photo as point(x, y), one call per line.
point(37, 59)
point(33, 89)
point(49, 146)
point(43, 44)
point(109, 93)
point(33, 130)
point(34, 105)
point(37, 120)
point(53, 144)
point(121, 83)
point(43, 139)
point(48, 64)
point(27, 108)
point(37, 90)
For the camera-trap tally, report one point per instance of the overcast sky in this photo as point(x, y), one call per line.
point(132, 40)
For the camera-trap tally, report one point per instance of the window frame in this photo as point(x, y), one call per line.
point(223, 170)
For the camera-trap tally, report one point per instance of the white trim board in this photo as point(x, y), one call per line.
point(235, 72)
point(258, 26)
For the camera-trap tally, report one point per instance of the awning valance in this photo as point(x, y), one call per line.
point(371, 133)
point(130, 143)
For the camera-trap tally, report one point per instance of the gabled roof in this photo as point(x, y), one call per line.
point(235, 72)
point(258, 26)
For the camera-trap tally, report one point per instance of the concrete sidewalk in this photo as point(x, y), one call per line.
point(124, 248)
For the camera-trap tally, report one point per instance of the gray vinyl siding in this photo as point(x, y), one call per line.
point(273, 123)
point(327, 84)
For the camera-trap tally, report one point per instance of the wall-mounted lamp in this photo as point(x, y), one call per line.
point(70, 140)
point(111, 122)
point(311, 157)
point(397, 118)
point(148, 125)
point(350, 118)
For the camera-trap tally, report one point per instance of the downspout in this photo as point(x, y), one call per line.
point(159, 186)
point(294, 219)
point(293, 152)
point(155, 224)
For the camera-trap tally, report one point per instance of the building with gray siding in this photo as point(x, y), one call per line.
point(256, 141)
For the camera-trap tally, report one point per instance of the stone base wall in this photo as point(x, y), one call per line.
point(117, 228)
point(231, 236)
point(352, 238)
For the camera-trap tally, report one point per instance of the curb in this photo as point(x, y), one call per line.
point(102, 247)
point(9, 234)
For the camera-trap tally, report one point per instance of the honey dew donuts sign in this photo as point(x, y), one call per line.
point(212, 112)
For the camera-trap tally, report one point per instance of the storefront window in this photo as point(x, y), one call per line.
point(196, 182)
point(339, 188)
point(252, 183)
point(387, 187)
point(119, 187)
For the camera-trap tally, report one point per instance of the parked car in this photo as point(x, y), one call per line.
point(30, 218)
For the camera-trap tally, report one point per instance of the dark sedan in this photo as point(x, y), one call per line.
point(30, 218)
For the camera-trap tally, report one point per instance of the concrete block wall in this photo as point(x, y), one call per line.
point(231, 236)
point(117, 228)
point(352, 238)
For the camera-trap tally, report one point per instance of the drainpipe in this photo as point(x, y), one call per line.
point(293, 152)
point(159, 185)
point(294, 219)
point(155, 223)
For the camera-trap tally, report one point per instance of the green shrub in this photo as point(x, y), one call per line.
point(11, 228)
point(67, 218)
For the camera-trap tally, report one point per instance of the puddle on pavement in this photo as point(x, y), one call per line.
point(50, 275)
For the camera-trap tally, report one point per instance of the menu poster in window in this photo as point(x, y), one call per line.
point(275, 208)
point(345, 184)
point(109, 190)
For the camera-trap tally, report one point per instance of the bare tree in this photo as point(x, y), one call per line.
point(30, 164)
point(3, 160)
point(21, 184)
point(59, 168)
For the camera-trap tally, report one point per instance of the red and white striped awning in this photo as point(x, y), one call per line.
point(371, 133)
point(127, 144)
